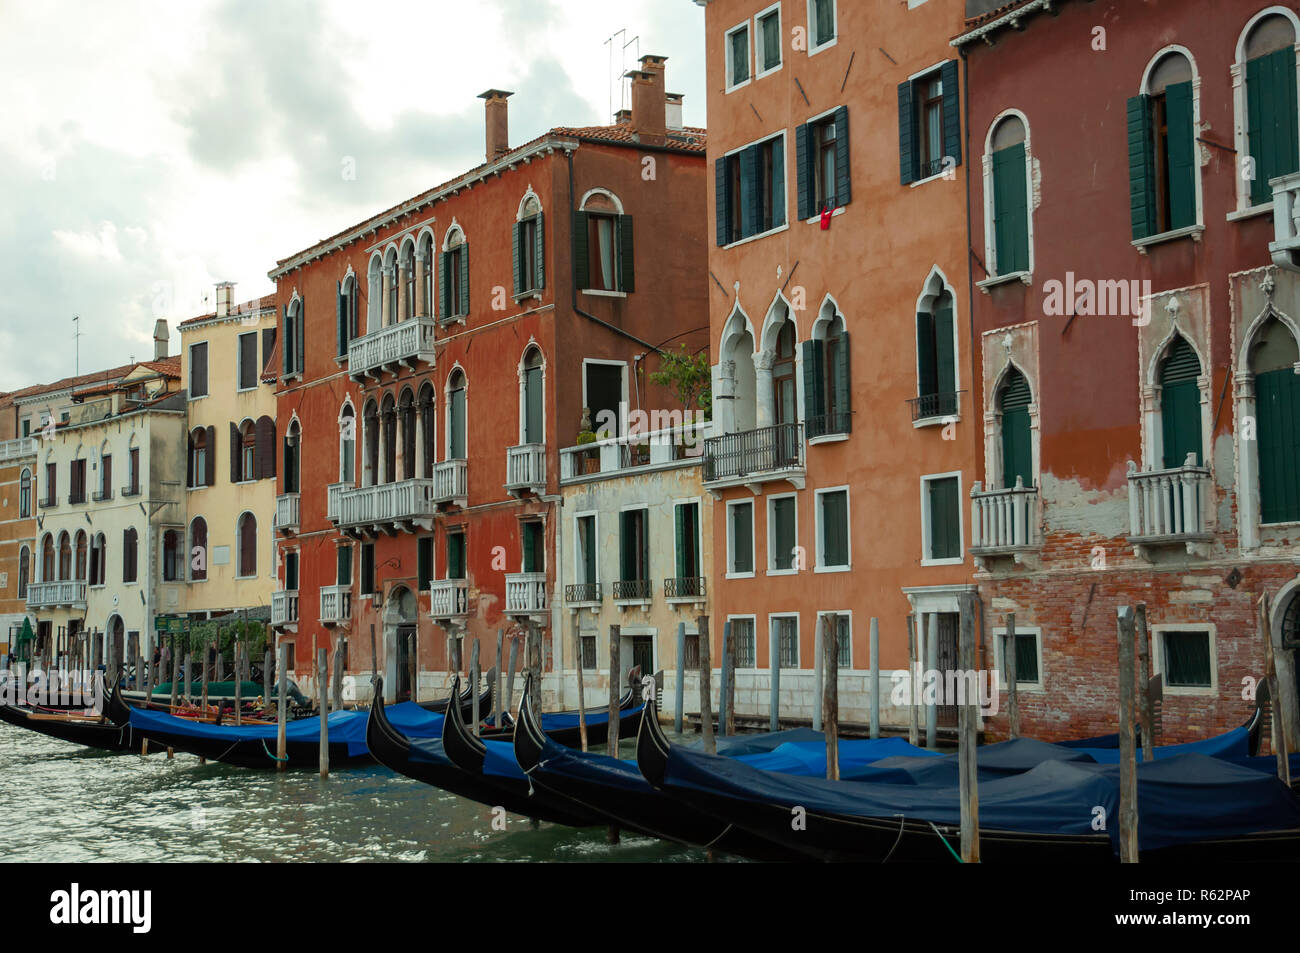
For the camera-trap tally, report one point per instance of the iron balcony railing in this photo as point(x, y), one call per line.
point(335, 604)
point(582, 592)
point(449, 598)
point(284, 606)
point(526, 467)
point(402, 343)
point(1168, 504)
point(526, 593)
point(684, 587)
point(754, 452)
point(631, 588)
point(825, 425)
point(1004, 520)
point(935, 405)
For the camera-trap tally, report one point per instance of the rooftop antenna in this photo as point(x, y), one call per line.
point(76, 343)
point(609, 76)
point(622, 87)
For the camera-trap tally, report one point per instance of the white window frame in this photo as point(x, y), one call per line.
point(727, 56)
point(521, 370)
point(756, 34)
point(623, 399)
point(822, 565)
point(578, 574)
point(990, 232)
point(1158, 656)
point(1241, 125)
point(849, 614)
point(771, 535)
point(239, 365)
point(813, 50)
point(926, 559)
point(774, 645)
point(785, 188)
point(999, 633)
point(754, 622)
point(730, 530)
point(929, 289)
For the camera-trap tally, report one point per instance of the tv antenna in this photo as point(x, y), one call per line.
point(622, 60)
point(76, 343)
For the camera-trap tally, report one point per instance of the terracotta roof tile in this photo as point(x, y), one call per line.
point(249, 306)
point(73, 382)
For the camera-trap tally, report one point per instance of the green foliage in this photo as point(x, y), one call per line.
point(586, 436)
point(688, 377)
point(201, 634)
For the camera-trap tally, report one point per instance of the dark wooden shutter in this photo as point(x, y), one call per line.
point(722, 201)
point(199, 369)
point(539, 255)
point(533, 405)
point(444, 294)
point(341, 326)
point(424, 562)
point(248, 545)
point(1180, 405)
point(248, 368)
point(1017, 454)
point(1179, 142)
point(210, 474)
point(803, 173)
point(945, 359)
point(299, 333)
point(906, 134)
point(1277, 409)
point(286, 358)
point(814, 388)
point(951, 110)
point(626, 255)
point(516, 237)
point(1271, 119)
point(843, 175)
point(841, 395)
point(581, 254)
point(235, 456)
point(464, 279)
point(265, 456)
point(679, 539)
point(749, 192)
point(925, 357)
point(268, 345)
point(189, 459)
point(344, 576)
point(945, 519)
point(1141, 168)
point(1010, 210)
point(626, 546)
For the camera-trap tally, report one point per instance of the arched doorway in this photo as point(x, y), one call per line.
point(116, 635)
point(400, 616)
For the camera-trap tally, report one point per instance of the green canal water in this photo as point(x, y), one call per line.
point(63, 803)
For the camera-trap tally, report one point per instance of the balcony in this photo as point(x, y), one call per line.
point(683, 589)
point(451, 483)
point(48, 595)
point(14, 450)
point(1004, 522)
point(582, 595)
point(333, 500)
point(386, 508)
point(931, 408)
point(675, 446)
point(526, 469)
point(402, 344)
point(631, 592)
point(448, 600)
point(284, 607)
point(754, 457)
point(287, 513)
point(1169, 507)
point(1285, 248)
point(335, 604)
point(526, 593)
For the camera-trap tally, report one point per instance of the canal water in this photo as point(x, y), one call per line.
point(63, 803)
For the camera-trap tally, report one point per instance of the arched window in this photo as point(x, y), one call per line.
point(98, 560)
point(24, 571)
point(292, 457)
point(391, 284)
point(532, 422)
point(25, 494)
point(1180, 405)
point(1266, 56)
point(371, 473)
point(130, 562)
point(196, 473)
point(1162, 167)
point(1014, 399)
point(408, 280)
point(406, 414)
point(604, 244)
point(1007, 197)
point(374, 293)
point(65, 556)
point(456, 415)
point(247, 544)
point(389, 414)
point(347, 445)
point(293, 338)
point(248, 451)
point(526, 242)
point(785, 404)
point(81, 556)
point(453, 275)
point(427, 431)
point(172, 554)
point(1277, 411)
point(347, 314)
point(936, 360)
point(827, 395)
point(198, 549)
point(48, 571)
point(425, 257)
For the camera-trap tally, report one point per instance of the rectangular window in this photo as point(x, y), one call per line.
point(248, 361)
point(634, 555)
point(821, 23)
point(367, 568)
point(534, 547)
point(129, 561)
point(526, 257)
point(588, 653)
point(51, 484)
point(343, 575)
point(751, 190)
point(27, 427)
point(692, 654)
point(785, 633)
point(1186, 659)
point(106, 477)
point(77, 484)
point(199, 369)
point(823, 166)
point(942, 515)
point(833, 529)
point(456, 554)
point(929, 124)
point(451, 282)
point(1161, 153)
point(602, 265)
point(742, 632)
point(268, 341)
point(291, 571)
point(424, 562)
point(686, 519)
point(767, 40)
point(133, 470)
point(782, 533)
point(737, 56)
point(740, 539)
point(586, 552)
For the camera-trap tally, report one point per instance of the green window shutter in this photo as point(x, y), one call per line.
point(455, 555)
point(679, 538)
point(458, 424)
point(1026, 658)
point(722, 201)
point(626, 256)
point(342, 325)
point(802, 172)
point(945, 359)
point(749, 199)
point(926, 367)
point(1141, 168)
point(814, 386)
point(344, 577)
point(1180, 405)
point(589, 551)
point(464, 278)
point(778, 182)
point(424, 562)
point(945, 519)
point(288, 343)
point(906, 134)
point(625, 544)
point(835, 541)
point(841, 390)
point(1182, 174)
point(539, 253)
point(581, 256)
point(516, 236)
point(843, 178)
point(1277, 409)
point(444, 291)
point(533, 405)
point(1271, 119)
point(951, 110)
point(299, 332)
point(1017, 455)
point(1010, 210)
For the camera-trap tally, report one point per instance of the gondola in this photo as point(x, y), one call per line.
point(439, 705)
point(1043, 814)
point(107, 732)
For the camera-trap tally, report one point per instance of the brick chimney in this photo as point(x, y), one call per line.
point(649, 105)
point(498, 135)
point(674, 111)
point(160, 337)
point(225, 298)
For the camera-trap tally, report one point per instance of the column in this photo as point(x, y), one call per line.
point(765, 406)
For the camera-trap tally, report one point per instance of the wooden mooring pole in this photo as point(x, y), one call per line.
point(913, 719)
point(774, 684)
point(875, 677)
point(497, 706)
point(322, 679)
point(582, 701)
point(615, 688)
point(510, 674)
point(534, 662)
point(968, 725)
point(730, 653)
point(475, 678)
point(1144, 711)
point(819, 673)
point(831, 697)
point(932, 666)
point(1009, 664)
point(268, 666)
point(337, 677)
point(282, 710)
point(239, 688)
point(722, 693)
point(1128, 820)
point(1281, 742)
point(679, 696)
point(706, 689)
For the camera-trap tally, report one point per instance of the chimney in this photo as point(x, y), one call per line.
point(623, 117)
point(225, 298)
point(498, 136)
point(160, 336)
point(649, 107)
point(673, 111)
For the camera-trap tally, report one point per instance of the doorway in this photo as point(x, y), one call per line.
point(949, 623)
point(405, 635)
point(643, 653)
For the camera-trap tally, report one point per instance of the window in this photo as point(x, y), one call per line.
point(393, 283)
point(48, 573)
point(742, 637)
point(27, 427)
point(133, 471)
point(585, 554)
point(250, 444)
point(1180, 405)
point(348, 445)
point(82, 555)
point(941, 515)
point(827, 396)
point(534, 400)
point(1270, 106)
point(740, 539)
point(455, 554)
point(77, 482)
point(533, 544)
point(936, 362)
point(527, 248)
point(24, 571)
point(785, 404)
point(1008, 198)
point(1277, 414)
point(737, 41)
point(248, 367)
point(292, 349)
point(456, 415)
point(1014, 399)
point(604, 390)
point(844, 638)
point(246, 531)
point(51, 483)
point(98, 559)
point(105, 477)
point(200, 469)
point(268, 343)
point(929, 124)
point(833, 529)
point(25, 494)
point(425, 255)
point(784, 633)
point(198, 550)
point(604, 259)
point(292, 457)
point(343, 566)
point(424, 562)
point(1028, 657)
point(172, 556)
point(782, 534)
point(633, 555)
point(367, 568)
point(822, 160)
point(199, 369)
point(453, 276)
point(821, 24)
point(750, 190)
point(346, 314)
point(291, 571)
point(767, 40)
point(1161, 150)
point(408, 281)
point(1186, 659)
point(686, 526)
point(588, 653)
point(129, 558)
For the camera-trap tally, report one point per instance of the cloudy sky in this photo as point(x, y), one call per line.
point(152, 149)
